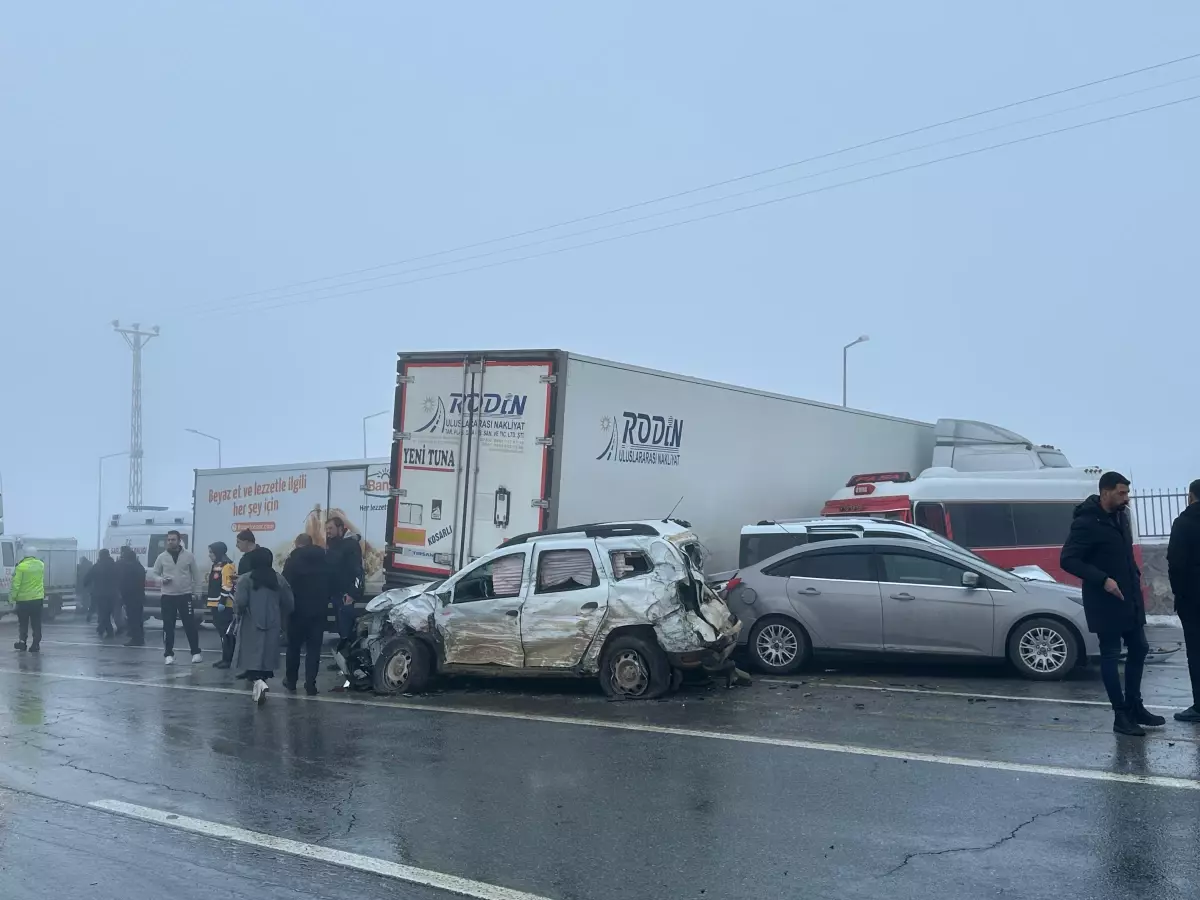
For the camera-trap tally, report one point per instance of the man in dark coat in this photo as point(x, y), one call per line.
point(102, 581)
point(1099, 552)
point(344, 554)
point(131, 581)
point(1183, 568)
point(83, 594)
point(307, 571)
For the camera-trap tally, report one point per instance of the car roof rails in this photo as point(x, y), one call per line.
point(617, 529)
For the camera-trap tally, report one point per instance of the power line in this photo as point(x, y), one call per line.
point(251, 304)
point(723, 183)
point(751, 206)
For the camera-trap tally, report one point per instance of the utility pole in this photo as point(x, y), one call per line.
point(136, 339)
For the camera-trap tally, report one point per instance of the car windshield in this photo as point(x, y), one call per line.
point(965, 554)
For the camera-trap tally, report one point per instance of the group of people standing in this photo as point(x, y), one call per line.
point(252, 604)
point(1099, 552)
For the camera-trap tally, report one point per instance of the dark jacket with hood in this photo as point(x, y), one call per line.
point(345, 568)
point(131, 578)
point(1183, 561)
point(1099, 547)
point(307, 571)
point(103, 579)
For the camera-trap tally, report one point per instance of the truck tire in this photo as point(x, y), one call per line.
point(52, 608)
point(779, 645)
point(1043, 650)
point(634, 668)
point(402, 668)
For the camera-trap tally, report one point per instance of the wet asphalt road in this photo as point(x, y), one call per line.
point(860, 781)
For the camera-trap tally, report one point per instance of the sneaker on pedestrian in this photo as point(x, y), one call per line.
point(260, 692)
point(197, 658)
point(1191, 714)
point(168, 660)
point(311, 690)
point(289, 686)
point(1143, 716)
point(35, 648)
point(19, 645)
point(220, 664)
point(1123, 724)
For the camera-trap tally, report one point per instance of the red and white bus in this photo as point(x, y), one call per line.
point(1009, 518)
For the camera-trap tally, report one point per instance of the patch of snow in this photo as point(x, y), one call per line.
point(1168, 621)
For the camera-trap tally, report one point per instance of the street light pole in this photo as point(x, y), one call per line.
point(845, 356)
point(211, 438)
point(100, 491)
point(382, 412)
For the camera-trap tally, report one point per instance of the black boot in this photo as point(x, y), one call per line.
point(1143, 716)
point(1191, 714)
point(19, 645)
point(1123, 724)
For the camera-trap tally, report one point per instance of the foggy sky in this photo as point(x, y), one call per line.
point(159, 159)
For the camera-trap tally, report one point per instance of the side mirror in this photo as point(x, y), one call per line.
point(970, 580)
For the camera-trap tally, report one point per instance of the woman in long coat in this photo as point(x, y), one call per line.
point(262, 601)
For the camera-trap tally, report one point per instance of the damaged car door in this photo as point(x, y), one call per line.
point(565, 605)
point(481, 622)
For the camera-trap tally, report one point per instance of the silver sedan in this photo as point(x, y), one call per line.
point(894, 596)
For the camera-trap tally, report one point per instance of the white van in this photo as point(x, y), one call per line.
point(146, 532)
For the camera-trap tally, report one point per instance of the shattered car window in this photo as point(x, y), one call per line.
point(496, 580)
point(628, 563)
point(506, 575)
point(564, 570)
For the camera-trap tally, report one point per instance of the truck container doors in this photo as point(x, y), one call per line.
point(471, 459)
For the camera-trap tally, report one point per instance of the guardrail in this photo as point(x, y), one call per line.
point(1155, 510)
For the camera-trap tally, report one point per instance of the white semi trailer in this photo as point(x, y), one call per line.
point(489, 445)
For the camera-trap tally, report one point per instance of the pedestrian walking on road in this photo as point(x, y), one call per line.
point(102, 580)
point(262, 601)
point(221, 579)
point(1183, 568)
point(83, 595)
point(177, 569)
point(307, 573)
point(1099, 552)
point(344, 553)
point(131, 581)
point(28, 593)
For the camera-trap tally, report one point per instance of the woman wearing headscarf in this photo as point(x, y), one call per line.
point(221, 578)
point(105, 587)
point(262, 602)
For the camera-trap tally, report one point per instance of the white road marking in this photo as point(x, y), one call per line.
point(463, 887)
point(938, 693)
point(1164, 781)
point(156, 647)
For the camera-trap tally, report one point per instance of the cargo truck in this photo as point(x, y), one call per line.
point(278, 502)
point(489, 445)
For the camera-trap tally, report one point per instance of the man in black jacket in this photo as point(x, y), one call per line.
point(307, 571)
point(1183, 568)
point(1099, 552)
point(344, 554)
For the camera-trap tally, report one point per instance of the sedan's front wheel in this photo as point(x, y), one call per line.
point(1043, 650)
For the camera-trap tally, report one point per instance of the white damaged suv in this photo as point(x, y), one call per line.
point(618, 601)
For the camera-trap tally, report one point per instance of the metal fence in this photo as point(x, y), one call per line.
point(1155, 510)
